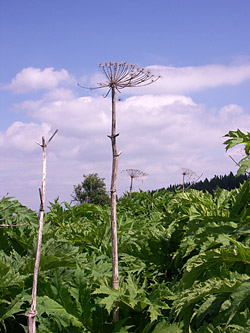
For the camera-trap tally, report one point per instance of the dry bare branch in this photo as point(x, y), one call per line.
point(4, 196)
point(12, 204)
point(237, 164)
point(31, 315)
point(13, 225)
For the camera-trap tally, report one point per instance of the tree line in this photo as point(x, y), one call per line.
point(93, 188)
point(227, 182)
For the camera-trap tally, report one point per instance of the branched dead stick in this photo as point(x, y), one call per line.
point(33, 311)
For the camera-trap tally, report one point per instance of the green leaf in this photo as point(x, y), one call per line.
point(108, 301)
point(52, 308)
point(240, 297)
point(8, 310)
point(164, 327)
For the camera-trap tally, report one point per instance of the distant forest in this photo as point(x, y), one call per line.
point(227, 182)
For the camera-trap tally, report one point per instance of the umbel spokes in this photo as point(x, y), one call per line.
point(121, 75)
point(135, 173)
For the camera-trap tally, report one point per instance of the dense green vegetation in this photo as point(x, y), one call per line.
point(183, 260)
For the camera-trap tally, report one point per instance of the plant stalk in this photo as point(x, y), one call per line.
point(115, 272)
point(131, 186)
point(183, 182)
point(31, 315)
point(33, 312)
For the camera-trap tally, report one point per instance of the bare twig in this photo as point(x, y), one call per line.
point(237, 163)
point(52, 136)
point(12, 225)
point(12, 204)
point(4, 196)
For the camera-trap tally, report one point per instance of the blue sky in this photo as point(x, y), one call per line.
point(201, 48)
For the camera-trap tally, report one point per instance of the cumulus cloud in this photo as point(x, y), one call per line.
point(59, 94)
point(183, 80)
point(30, 79)
point(22, 136)
point(77, 116)
point(160, 133)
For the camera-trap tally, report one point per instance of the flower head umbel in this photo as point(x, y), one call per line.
point(134, 173)
point(121, 75)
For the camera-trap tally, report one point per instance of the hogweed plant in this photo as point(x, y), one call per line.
point(119, 76)
point(134, 174)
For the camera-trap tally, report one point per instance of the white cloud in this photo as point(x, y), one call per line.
point(160, 134)
point(184, 80)
point(82, 116)
point(59, 94)
point(22, 136)
point(31, 78)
